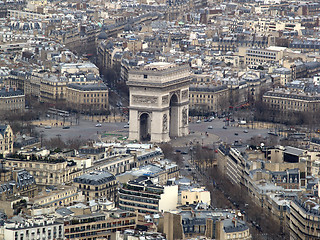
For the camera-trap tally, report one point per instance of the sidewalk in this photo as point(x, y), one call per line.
point(107, 119)
point(51, 122)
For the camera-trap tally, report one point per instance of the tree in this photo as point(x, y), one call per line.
point(167, 150)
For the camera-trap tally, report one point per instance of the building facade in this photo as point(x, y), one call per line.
point(39, 228)
point(285, 100)
point(98, 225)
point(145, 197)
point(47, 172)
point(303, 219)
point(11, 100)
point(6, 140)
point(97, 184)
point(87, 97)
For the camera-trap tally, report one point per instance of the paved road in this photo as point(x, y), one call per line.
point(227, 135)
point(88, 130)
point(85, 130)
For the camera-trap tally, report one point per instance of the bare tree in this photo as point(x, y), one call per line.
point(167, 150)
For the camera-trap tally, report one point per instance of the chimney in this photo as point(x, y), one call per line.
point(7, 88)
point(14, 88)
point(234, 221)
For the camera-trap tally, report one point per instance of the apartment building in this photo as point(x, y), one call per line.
point(297, 101)
point(285, 75)
point(231, 42)
point(268, 172)
point(159, 171)
point(46, 172)
point(17, 78)
point(83, 67)
point(11, 100)
point(145, 197)
point(117, 161)
point(259, 56)
point(97, 184)
point(208, 98)
point(16, 183)
point(106, 52)
point(53, 88)
point(98, 225)
point(63, 196)
point(303, 218)
point(6, 140)
point(17, 14)
point(198, 221)
point(195, 195)
point(87, 97)
point(36, 228)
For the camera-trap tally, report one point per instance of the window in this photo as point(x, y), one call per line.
point(145, 76)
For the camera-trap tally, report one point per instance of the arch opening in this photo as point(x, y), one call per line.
point(174, 116)
point(145, 126)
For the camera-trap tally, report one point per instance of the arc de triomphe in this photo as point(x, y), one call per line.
point(159, 102)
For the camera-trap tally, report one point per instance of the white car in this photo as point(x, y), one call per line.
point(199, 121)
point(98, 125)
point(210, 127)
point(126, 126)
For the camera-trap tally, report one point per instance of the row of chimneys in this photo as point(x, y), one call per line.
point(8, 88)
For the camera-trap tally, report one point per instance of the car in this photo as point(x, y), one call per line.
point(184, 153)
point(65, 127)
point(47, 127)
point(224, 127)
point(236, 133)
point(98, 125)
point(245, 131)
point(178, 150)
point(126, 126)
point(211, 118)
point(198, 121)
point(210, 127)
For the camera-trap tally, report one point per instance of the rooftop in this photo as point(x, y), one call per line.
point(95, 178)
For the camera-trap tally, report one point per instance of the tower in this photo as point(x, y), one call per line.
point(159, 102)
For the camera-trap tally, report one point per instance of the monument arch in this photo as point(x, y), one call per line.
point(159, 102)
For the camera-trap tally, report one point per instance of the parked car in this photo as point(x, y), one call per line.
point(198, 121)
point(47, 127)
point(65, 127)
point(126, 126)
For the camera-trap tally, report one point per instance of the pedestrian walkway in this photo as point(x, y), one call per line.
point(51, 122)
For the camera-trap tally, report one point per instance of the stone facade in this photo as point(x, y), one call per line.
point(6, 140)
point(159, 102)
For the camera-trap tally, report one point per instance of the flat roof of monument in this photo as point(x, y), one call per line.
point(159, 65)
